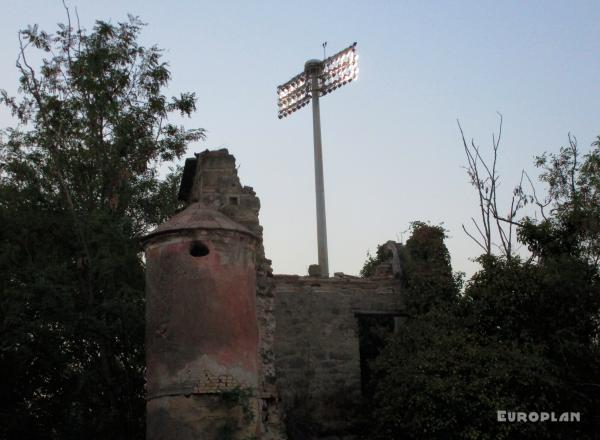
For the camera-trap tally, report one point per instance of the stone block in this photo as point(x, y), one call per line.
point(314, 270)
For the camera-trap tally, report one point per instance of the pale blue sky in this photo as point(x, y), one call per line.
point(392, 152)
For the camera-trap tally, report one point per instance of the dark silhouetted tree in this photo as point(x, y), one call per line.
point(78, 186)
point(521, 337)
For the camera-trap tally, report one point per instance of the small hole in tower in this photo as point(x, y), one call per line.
point(233, 201)
point(198, 249)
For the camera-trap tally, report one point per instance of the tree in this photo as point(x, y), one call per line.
point(522, 336)
point(425, 266)
point(486, 179)
point(78, 186)
point(573, 224)
point(428, 276)
point(436, 379)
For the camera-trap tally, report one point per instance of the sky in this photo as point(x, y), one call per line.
point(391, 145)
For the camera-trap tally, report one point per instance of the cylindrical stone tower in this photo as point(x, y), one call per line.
point(201, 328)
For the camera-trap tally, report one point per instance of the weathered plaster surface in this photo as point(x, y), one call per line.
point(201, 325)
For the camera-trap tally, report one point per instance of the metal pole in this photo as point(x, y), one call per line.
point(313, 68)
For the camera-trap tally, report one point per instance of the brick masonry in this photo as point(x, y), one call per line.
point(317, 357)
point(309, 359)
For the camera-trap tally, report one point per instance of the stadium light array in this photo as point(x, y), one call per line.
point(336, 71)
point(318, 79)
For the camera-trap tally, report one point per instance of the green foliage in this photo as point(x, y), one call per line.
point(522, 337)
point(238, 397)
point(78, 186)
point(438, 380)
point(426, 268)
point(235, 398)
point(373, 332)
point(371, 263)
point(427, 272)
point(574, 198)
point(536, 303)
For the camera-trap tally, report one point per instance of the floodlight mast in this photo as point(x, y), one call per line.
point(318, 79)
point(313, 70)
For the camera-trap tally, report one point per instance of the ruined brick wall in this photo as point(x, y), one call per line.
point(308, 331)
point(317, 355)
point(214, 181)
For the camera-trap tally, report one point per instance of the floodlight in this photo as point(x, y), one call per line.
point(318, 79)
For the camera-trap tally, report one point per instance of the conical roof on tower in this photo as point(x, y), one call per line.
point(198, 216)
